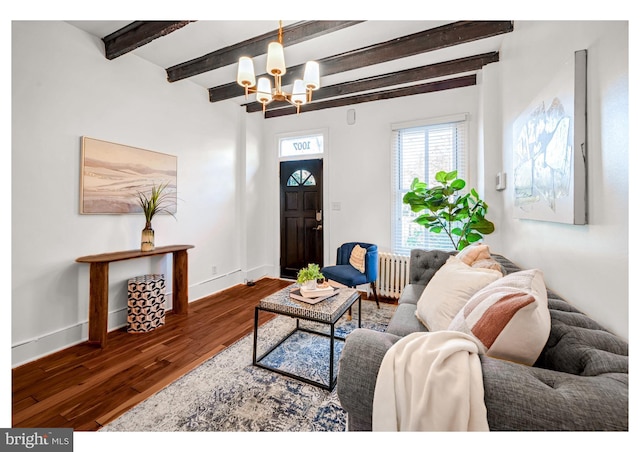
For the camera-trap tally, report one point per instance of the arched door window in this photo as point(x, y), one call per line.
point(301, 177)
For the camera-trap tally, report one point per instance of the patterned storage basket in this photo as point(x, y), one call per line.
point(146, 306)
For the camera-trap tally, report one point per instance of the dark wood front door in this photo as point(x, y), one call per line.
point(301, 235)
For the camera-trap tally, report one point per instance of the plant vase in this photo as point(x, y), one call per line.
point(310, 285)
point(148, 238)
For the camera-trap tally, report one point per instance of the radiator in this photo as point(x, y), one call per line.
point(393, 274)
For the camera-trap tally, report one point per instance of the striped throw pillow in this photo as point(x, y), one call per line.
point(357, 257)
point(508, 319)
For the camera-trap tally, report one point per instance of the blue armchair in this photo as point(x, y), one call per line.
point(344, 273)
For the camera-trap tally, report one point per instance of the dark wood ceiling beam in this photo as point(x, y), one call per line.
point(458, 82)
point(443, 69)
point(137, 34)
point(416, 43)
point(291, 34)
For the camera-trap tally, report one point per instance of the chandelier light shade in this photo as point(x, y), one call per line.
point(275, 59)
point(263, 94)
point(312, 75)
point(276, 67)
point(246, 73)
point(299, 93)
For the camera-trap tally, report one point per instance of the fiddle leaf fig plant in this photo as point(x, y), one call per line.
point(460, 216)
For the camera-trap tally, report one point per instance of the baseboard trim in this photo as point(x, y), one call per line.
point(38, 347)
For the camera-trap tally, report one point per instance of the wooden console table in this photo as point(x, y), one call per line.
point(99, 285)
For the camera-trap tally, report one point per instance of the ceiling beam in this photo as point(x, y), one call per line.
point(413, 44)
point(137, 34)
point(458, 82)
point(291, 34)
point(458, 66)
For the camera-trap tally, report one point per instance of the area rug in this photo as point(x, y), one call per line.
point(228, 394)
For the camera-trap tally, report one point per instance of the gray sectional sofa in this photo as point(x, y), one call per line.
point(580, 381)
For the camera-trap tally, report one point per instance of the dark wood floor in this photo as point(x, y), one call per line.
point(85, 387)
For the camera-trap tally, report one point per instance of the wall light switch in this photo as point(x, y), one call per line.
point(336, 206)
point(501, 181)
point(351, 116)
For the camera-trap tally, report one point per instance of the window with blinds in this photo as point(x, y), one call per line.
point(421, 149)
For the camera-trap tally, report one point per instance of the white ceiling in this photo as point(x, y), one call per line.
point(202, 37)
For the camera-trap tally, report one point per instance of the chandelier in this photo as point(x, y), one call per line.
point(302, 89)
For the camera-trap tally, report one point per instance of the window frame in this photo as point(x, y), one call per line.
point(440, 241)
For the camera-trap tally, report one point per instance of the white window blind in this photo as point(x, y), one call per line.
point(421, 150)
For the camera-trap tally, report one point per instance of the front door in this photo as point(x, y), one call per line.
point(301, 235)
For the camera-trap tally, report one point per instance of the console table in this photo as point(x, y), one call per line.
point(99, 284)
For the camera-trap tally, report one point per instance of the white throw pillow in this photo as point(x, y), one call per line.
point(449, 290)
point(509, 319)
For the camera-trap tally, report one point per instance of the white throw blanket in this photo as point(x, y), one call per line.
point(430, 382)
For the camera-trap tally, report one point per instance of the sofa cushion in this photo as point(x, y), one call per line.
point(579, 345)
point(523, 398)
point(509, 319)
point(411, 294)
point(448, 291)
point(404, 321)
point(424, 264)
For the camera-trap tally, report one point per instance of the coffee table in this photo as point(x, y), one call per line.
point(326, 312)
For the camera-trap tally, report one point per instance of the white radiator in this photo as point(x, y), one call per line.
point(393, 274)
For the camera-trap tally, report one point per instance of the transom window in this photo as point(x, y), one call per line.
point(302, 145)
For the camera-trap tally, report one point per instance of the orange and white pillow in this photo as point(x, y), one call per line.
point(478, 255)
point(356, 259)
point(509, 318)
point(448, 291)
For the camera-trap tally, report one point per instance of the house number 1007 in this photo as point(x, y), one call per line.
point(302, 146)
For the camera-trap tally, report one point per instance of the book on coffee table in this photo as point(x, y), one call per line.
point(312, 296)
point(317, 292)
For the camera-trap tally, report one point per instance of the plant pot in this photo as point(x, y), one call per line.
point(148, 238)
point(310, 285)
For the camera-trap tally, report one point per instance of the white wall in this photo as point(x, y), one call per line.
point(63, 88)
point(259, 214)
point(588, 265)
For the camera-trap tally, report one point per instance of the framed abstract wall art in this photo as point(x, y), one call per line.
point(550, 149)
point(112, 175)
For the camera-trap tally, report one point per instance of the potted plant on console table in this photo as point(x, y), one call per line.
point(159, 200)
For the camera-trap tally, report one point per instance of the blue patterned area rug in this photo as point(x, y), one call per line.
point(228, 394)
